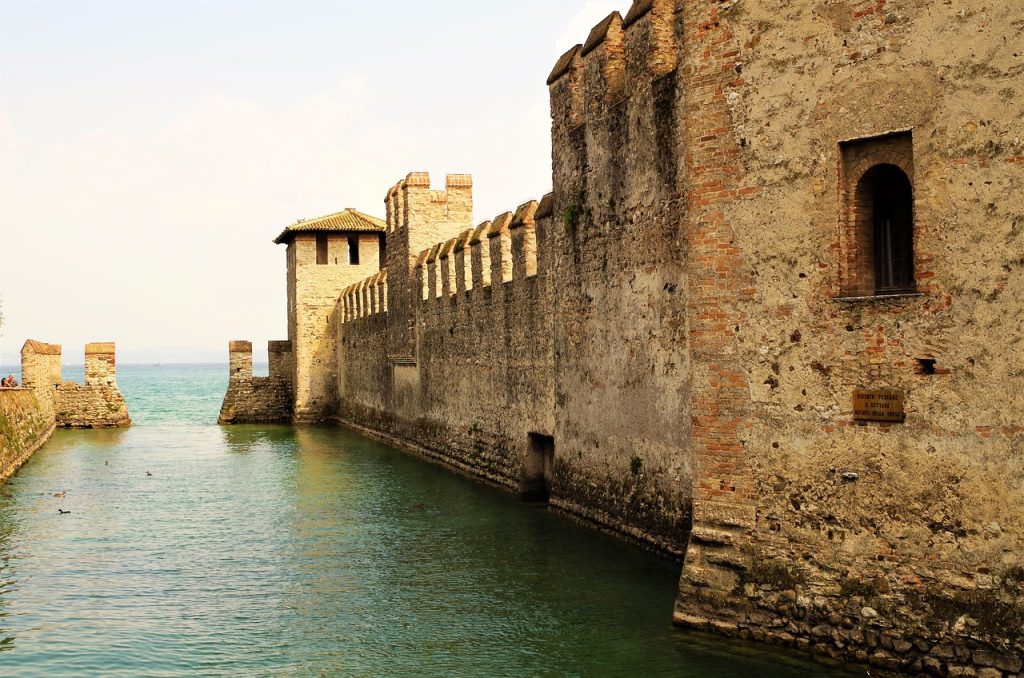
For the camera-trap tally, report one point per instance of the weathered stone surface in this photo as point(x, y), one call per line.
point(258, 400)
point(24, 427)
point(1003, 662)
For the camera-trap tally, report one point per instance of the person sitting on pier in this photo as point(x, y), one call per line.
point(11, 381)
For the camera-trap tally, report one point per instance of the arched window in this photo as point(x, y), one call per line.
point(353, 250)
point(885, 216)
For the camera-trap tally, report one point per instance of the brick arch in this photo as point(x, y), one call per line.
point(866, 164)
point(859, 159)
point(862, 215)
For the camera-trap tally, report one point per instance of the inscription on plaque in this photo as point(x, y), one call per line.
point(878, 405)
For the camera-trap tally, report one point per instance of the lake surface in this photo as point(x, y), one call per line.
point(313, 551)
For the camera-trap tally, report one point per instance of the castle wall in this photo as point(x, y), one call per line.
point(41, 372)
point(478, 381)
point(28, 415)
point(418, 218)
point(258, 400)
point(623, 377)
point(671, 343)
point(896, 544)
point(24, 426)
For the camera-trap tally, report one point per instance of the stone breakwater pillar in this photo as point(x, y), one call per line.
point(40, 372)
point(258, 400)
point(240, 361)
point(99, 402)
point(100, 364)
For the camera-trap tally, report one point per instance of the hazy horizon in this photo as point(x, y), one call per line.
point(150, 152)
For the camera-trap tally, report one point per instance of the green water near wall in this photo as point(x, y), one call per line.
point(313, 551)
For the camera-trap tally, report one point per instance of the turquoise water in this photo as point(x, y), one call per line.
point(313, 551)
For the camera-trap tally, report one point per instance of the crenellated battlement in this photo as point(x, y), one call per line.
point(259, 400)
point(619, 57)
point(503, 249)
point(365, 298)
point(95, 403)
point(417, 217)
point(411, 200)
point(604, 63)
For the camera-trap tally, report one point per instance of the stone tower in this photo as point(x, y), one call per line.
point(417, 218)
point(324, 256)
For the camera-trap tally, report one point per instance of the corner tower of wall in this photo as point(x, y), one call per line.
point(474, 387)
point(316, 279)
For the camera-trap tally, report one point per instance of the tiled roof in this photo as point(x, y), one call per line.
point(39, 348)
point(348, 220)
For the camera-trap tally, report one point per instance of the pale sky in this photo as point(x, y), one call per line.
point(150, 151)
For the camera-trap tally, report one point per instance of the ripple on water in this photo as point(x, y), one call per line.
point(280, 551)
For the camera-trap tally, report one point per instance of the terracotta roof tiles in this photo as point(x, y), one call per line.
point(347, 220)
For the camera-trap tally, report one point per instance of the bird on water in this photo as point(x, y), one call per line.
point(62, 511)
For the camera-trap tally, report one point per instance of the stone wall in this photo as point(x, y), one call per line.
point(98, 403)
point(41, 372)
point(24, 427)
point(478, 382)
point(735, 247)
point(28, 415)
point(479, 388)
point(258, 400)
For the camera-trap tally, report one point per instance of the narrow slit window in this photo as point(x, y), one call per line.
point(892, 213)
point(538, 468)
point(353, 251)
point(887, 203)
point(321, 249)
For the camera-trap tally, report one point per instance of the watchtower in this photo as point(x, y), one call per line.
point(325, 255)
